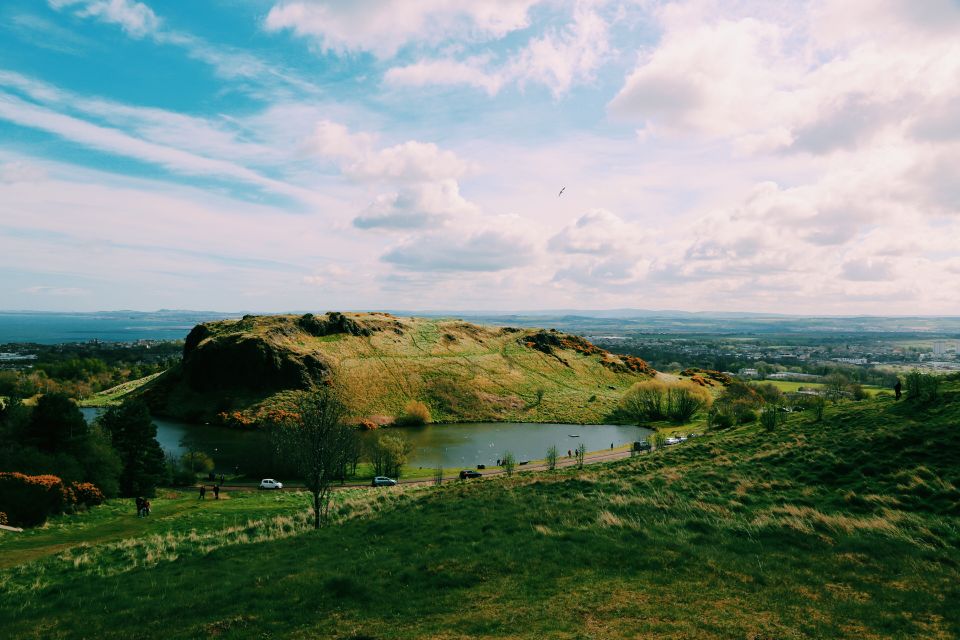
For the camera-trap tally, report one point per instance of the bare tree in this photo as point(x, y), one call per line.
point(581, 453)
point(552, 458)
point(438, 474)
point(318, 444)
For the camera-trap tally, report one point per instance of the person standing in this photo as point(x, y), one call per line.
point(216, 492)
point(140, 507)
point(897, 389)
point(203, 491)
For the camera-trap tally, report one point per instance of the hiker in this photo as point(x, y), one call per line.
point(498, 462)
point(203, 491)
point(569, 453)
point(216, 492)
point(146, 508)
point(896, 389)
point(611, 445)
point(139, 507)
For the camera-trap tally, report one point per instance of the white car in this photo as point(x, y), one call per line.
point(671, 441)
point(269, 483)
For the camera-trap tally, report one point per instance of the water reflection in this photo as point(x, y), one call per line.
point(451, 445)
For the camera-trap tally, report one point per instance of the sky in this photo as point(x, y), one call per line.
point(270, 155)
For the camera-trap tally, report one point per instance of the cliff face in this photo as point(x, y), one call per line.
point(237, 370)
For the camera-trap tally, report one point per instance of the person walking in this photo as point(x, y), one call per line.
point(139, 507)
point(146, 508)
point(896, 389)
point(216, 492)
point(203, 491)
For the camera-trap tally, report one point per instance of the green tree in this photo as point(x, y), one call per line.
point(134, 437)
point(56, 423)
point(389, 453)
point(197, 462)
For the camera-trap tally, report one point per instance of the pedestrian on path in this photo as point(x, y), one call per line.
point(203, 491)
point(216, 492)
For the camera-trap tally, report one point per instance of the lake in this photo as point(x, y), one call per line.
point(452, 445)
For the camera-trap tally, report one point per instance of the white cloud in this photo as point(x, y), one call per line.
point(358, 157)
point(136, 18)
point(557, 60)
point(419, 206)
point(490, 250)
point(382, 27)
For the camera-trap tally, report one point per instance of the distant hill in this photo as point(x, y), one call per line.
point(236, 370)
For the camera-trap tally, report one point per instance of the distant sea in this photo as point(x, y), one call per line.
point(110, 326)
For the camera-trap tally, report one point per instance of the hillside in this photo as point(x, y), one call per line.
point(239, 369)
point(846, 528)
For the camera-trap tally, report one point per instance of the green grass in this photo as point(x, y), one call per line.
point(848, 528)
point(115, 395)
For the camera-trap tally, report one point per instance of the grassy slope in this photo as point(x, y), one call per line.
point(848, 528)
point(462, 371)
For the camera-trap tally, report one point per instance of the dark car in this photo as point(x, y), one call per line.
point(470, 473)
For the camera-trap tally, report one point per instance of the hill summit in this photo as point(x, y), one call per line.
point(236, 371)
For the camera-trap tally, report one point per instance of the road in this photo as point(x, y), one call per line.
point(590, 458)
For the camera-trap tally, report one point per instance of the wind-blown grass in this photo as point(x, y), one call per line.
point(844, 528)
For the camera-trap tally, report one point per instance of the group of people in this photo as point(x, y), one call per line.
point(143, 507)
point(203, 492)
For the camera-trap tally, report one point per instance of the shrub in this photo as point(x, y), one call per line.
point(87, 493)
point(922, 388)
point(28, 500)
point(415, 413)
point(685, 399)
point(770, 417)
point(645, 401)
point(719, 420)
point(3, 518)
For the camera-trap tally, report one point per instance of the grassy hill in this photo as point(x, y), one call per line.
point(848, 528)
point(381, 362)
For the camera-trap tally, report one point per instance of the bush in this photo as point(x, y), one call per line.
point(28, 500)
point(719, 420)
point(645, 401)
point(87, 494)
point(415, 414)
point(770, 417)
point(922, 388)
point(685, 399)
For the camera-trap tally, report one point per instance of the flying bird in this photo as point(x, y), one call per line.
point(561, 192)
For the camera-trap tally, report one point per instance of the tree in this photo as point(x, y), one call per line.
point(134, 437)
point(317, 441)
point(581, 453)
point(509, 462)
point(438, 474)
point(56, 424)
point(835, 385)
point(552, 458)
point(389, 453)
point(197, 462)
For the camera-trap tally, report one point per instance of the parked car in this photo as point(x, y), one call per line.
point(270, 483)
point(469, 473)
point(383, 481)
point(670, 441)
point(642, 446)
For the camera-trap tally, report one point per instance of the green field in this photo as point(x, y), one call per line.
point(789, 386)
point(849, 528)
